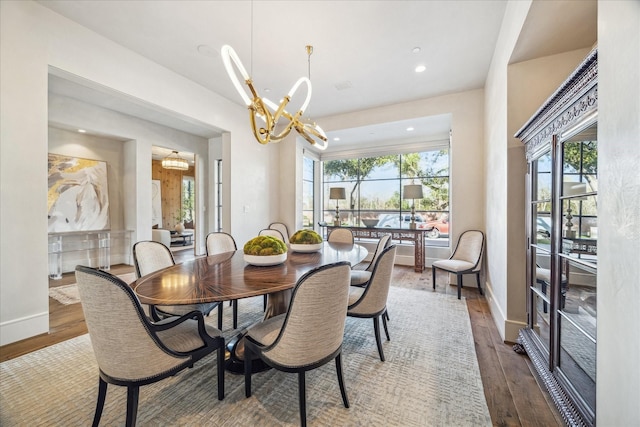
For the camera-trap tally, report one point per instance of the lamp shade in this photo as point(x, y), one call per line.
point(572, 189)
point(337, 193)
point(413, 191)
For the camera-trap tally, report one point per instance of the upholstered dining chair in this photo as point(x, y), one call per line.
point(466, 259)
point(361, 277)
point(309, 334)
point(133, 351)
point(273, 233)
point(219, 242)
point(371, 301)
point(150, 256)
point(282, 228)
point(341, 235)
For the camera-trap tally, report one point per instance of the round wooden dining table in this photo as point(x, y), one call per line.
point(227, 276)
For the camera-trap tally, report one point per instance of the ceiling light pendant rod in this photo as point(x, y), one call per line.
point(269, 112)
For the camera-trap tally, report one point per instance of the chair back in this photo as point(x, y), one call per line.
point(220, 242)
point(313, 328)
point(374, 297)
point(341, 235)
point(122, 344)
point(282, 228)
point(383, 243)
point(149, 256)
point(273, 233)
point(470, 248)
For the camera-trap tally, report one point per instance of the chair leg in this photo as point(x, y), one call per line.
point(384, 323)
point(376, 328)
point(221, 351)
point(102, 394)
point(220, 313)
point(343, 389)
point(433, 277)
point(302, 397)
point(478, 280)
point(235, 314)
point(247, 371)
point(132, 405)
point(264, 303)
point(459, 277)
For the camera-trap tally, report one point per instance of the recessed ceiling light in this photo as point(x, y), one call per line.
point(420, 68)
point(336, 138)
point(416, 49)
point(82, 131)
point(266, 89)
point(206, 50)
point(410, 128)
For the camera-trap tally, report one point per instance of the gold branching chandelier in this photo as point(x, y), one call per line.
point(268, 112)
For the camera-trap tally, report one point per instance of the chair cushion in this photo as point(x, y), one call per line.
point(355, 294)
point(360, 277)
point(453, 265)
point(185, 337)
point(266, 332)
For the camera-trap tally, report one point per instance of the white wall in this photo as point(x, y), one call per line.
point(32, 39)
point(618, 356)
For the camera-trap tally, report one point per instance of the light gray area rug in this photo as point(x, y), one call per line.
point(68, 294)
point(430, 378)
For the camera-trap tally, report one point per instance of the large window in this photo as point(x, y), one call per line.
point(374, 191)
point(308, 173)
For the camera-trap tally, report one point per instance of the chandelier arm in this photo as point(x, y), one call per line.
point(228, 56)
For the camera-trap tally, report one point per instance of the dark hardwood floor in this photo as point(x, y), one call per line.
point(514, 396)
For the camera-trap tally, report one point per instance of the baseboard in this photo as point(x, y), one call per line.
point(23, 328)
point(508, 329)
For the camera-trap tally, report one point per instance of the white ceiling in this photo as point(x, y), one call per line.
point(363, 50)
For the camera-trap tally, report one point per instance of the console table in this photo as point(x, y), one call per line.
point(416, 236)
point(91, 248)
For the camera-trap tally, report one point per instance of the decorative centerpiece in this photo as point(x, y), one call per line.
point(305, 241)
point(265, 250)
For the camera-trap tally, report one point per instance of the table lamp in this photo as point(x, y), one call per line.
point(337, 193)
point(413, 192)
point(572, 189)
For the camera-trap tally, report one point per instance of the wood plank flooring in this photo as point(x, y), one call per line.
point(514, 397)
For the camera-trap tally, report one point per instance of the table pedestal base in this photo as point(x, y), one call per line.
point(235, 360)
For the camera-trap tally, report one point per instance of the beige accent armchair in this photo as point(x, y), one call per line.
point(466, 259)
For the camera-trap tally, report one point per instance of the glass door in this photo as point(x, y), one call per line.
point(576, 260)
point(541, 285)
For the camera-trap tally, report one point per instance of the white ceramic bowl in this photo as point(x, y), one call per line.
point(265, 260)
point(370, 223)
point(302, 247)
